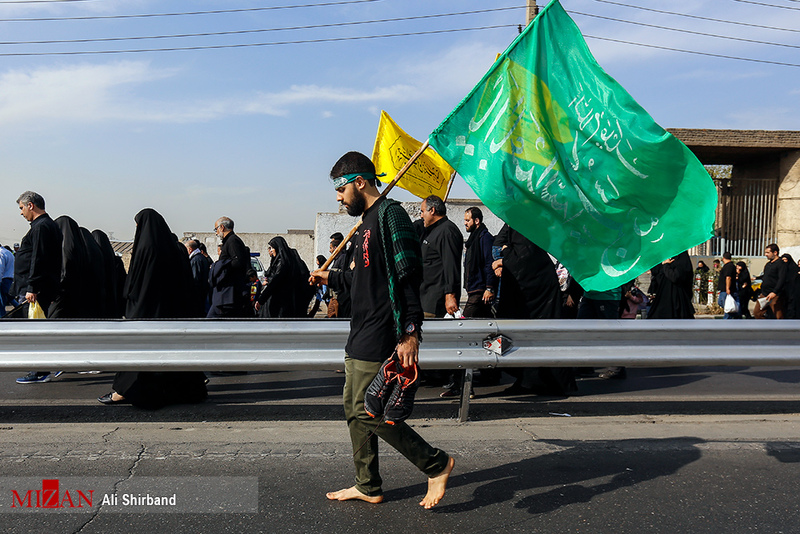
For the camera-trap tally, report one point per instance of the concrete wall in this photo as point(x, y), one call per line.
point(787, 218)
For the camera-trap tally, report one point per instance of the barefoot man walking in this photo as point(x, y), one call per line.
point(386, 317)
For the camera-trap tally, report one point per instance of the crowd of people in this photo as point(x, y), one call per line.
point(73, 273)
point(775, 293)
point(393, 275)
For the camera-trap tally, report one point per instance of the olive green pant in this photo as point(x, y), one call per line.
point(431, 461)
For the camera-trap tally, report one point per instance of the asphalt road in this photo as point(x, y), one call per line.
point(664, 451)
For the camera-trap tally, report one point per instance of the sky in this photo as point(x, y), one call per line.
point(251, 132)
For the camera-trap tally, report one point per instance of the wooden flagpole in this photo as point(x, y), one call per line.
point(389, 187)
point(449, 186)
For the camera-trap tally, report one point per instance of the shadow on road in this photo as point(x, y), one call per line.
point(781, 376)
point(576, 474)
point(787, 453)
point(303, 395)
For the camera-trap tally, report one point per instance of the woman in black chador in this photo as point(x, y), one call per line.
point(76, 275)
point(672, 282)
point(743, 283)
point(287, 292)
point(529, 289)
point(792, 287)
point(157, 286)
point(115, 276)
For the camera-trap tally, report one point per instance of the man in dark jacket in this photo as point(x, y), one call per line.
point(37, 265)
point(773, 283)
point(480, 282)
point(200, 271)
point(442, 244)
point(339, 304)
point(230, 295)
point(726, 284)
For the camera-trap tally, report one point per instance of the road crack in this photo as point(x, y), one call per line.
point(527, 432)
point(131, 472)
point(108, 434)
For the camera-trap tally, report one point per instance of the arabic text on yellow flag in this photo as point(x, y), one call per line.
point(429, 175)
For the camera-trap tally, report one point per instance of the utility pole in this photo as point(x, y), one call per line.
point(531, 11)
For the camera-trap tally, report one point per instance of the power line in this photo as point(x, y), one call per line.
point(40, 1)
point(697, 17)
point(262, 30)
point(185, 13)
point(406, 34)
point(693, 51)
point(248, 45)
point(767, 5)
point(704, 34)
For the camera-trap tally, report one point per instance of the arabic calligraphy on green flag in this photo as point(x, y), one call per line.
point(556, 148)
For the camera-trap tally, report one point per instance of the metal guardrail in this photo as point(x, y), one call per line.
point(219, 345)
point(315, 344)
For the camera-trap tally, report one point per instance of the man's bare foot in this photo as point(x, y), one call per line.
point(351, 494)
point(436, 486)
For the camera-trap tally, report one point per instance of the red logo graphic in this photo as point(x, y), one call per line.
point(366, 248)
point(50, 497)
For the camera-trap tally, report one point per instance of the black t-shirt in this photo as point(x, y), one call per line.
point(372, 335)
point(372, 328)
point(774, 278)
point(728, 269)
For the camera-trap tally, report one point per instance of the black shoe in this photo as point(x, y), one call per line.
point(381, 388)
point(107, 399)
point(613, 373)
point(401, 402)
point(516, 389)
point(450, 392)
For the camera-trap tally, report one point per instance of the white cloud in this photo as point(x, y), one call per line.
point(79, 92)
point(280, 103)
point(88, 93)
point(109, 92)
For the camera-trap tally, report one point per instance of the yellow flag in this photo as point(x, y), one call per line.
point(429, 175)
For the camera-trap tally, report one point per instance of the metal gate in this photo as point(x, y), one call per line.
point(745, 222)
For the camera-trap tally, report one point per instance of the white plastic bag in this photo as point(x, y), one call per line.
point(730, 305)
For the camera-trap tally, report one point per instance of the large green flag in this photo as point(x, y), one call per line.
point(556, 148)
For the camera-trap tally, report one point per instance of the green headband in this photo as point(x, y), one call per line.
point(345, 179)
